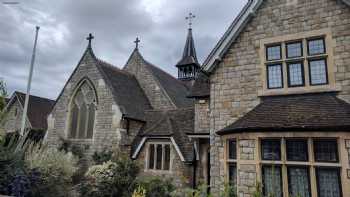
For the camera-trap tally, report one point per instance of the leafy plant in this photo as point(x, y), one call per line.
point(139, 192)
point(258, 190)
point(101, 157)
point(156, 187)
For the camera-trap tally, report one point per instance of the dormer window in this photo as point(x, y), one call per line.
point(294, 64)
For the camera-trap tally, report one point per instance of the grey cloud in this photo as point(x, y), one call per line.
point(115, 23)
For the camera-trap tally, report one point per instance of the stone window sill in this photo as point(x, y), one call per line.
point(299, 90)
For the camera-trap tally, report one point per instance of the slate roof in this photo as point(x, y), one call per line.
point(189, 55)
point(172, 123)
point(38, 110)
point(126, 91)
point(201, 86)
point(309, 112)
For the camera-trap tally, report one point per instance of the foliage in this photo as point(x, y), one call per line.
point(229, 191)
point(156, 187)
point(112, 178)
point(139, 192)
point(202, 191)
point(258, 190)
point(3, 95)
point(101, 157)
point(68, 146)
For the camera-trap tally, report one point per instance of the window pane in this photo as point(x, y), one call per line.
point(159, 157)
point(271, 149)
point(316, 46)
point(318, 72)
point(296, 74)
point(232, 149)
point(328, 182)
point(91, 119)
point(297, 150)
point(274, 52)
point(232, 174)
point(82, 121)
point(326, 150)
point(74, 121)
point(272, 181)
point(299, 184)
point(274, 75)
point(167, 157)
point(294, 50)
point(151, 157)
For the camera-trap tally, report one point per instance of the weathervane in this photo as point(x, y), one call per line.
point(90, 38)
point(137, 41)
point(190, 17)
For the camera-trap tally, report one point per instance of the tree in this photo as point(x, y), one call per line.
point(3, 95)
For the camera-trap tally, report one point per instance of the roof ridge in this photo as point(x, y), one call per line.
point(31, 95)
point(169, 110)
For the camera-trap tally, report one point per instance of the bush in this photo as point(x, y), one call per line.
point(112, 178)
point(55, 169)
point(102, 157)
point(156, 187)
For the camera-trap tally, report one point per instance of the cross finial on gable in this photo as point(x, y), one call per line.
point(137, 41)
point(190, 17)
point(90, 38)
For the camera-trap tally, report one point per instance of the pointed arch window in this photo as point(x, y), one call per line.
point(83, 107)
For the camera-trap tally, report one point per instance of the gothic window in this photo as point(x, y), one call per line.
point(83, 108)
point(159, 156)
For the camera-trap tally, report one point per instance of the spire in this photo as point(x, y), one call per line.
point(188, 65)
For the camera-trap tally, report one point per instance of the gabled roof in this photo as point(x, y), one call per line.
point(233, 32)
point(309, 112)
point(175, 89)
point(201, 86)
point(169, 124)
point(189, 55)
point(126, 91)
point(38, 109)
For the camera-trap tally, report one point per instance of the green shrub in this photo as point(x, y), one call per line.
point(101, 157)
point(139, 192)
point(156, 187)
point(112, 178)
point(56, 169)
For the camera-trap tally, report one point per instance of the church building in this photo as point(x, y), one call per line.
point(270, 105)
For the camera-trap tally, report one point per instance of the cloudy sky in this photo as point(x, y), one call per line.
point(65, 24)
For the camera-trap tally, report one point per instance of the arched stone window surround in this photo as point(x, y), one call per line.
point(88, 99)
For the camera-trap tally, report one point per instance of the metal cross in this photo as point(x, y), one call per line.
point(137, 41)
point(90, 38)
point(190, 17)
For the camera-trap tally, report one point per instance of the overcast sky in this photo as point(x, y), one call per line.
point(65, 24)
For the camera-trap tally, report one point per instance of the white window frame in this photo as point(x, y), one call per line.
point(155, 157)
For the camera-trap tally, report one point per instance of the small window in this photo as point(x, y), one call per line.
point(232, 149)
point(316, 46)
point(274, 76)
point(272, 181)
point(318, 72)
point(294, 49)
point(297, 150)
point(326, 150)
point(167, 157)
point(299, 181)
point(271, 149)
point(273, 53)
point(159, 157)
point(328, 182)
point(295, 74)
point(232, 174)
point(151, 156)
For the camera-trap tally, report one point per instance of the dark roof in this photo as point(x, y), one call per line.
point(172, 123)
point(310, 112)
point(38, 110)
point(189, 55)
point(126, 91)
point(201, 86)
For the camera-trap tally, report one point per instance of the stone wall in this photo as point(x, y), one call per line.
point(12, 121)
point(180, 173)
point(236, 81)
point(108, 116)
point(201, 122)
point(153, 90)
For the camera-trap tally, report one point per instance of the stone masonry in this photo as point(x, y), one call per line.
point(236, 81)
point(201, 122)
point(12, 121)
